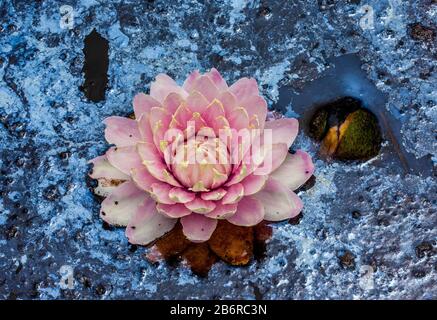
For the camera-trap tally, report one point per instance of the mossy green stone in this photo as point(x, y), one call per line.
point(362, 137)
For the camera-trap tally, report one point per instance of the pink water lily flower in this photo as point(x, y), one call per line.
point(151, 181)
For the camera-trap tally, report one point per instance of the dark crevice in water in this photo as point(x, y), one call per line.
point(347, 79)
point(95, 67)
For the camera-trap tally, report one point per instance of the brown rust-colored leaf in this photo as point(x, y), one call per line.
point(200, 258)
point(233, 244)
point(173, 243)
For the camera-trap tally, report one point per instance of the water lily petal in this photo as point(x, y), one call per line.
point(222, 211)
point(143, 103)
point(172, 102)
point(173, 210)
point(191, 81)
point(253, 183)
point(245, 87)
point(197, 102)
point(256, 108)
point(121, 131)
point(214, 110)
point(154, 163)
point(197, 227)
point(295, 170)
point(159, 118)
point(142, 178)
point(159, 191)
point(199, 205)
point(118, 208)
point(228, 100)
point(163, 86)
point(217, 79)
point(103, 169)
point(145, 128)
point(216, 194)
point(238, 118)
point(279, 202)
point(275, 156)
point(180, 195)
point(233, 194)
point(124, 158)
point(284, 130)
point(147, 224)
point(206, 87)
point(250, 212)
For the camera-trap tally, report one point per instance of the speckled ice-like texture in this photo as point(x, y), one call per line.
point(49, 217)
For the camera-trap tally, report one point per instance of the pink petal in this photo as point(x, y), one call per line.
point(163, 86)
point(103, 169)
point(144, 128)
point(142, 178)
point(244, 87)
point(197, 121)
point(163, 135)
point(198, 228)
point(275, 156)
point(159, 191)
point(121, 131)
point(197, 102)
point(217, 79)
point(118, 208)
point(284, 130)
point(221, 123)
point(256, 108)
point(217, 194)
point(206, 132)
point(238, 118)
point(154, 163)
point(233, 194)
point(180, 195)
point(191, 81)
point(279, 202)
point(295, 170)
point(172, 102)
point(206, 87)
point(214, 110)
point(222, 211)
point(229, 101)
point(143, 103)
point(105, 187)
point(173, 210)
point(159, 117)
point(147, 224)
point(124, 158)
point(250, 212)
point(199, 205)
point(241, 144)
point(253, 184)
point(238, 176)
point(180, 118)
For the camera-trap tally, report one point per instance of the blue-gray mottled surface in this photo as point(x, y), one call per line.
point(49, 217)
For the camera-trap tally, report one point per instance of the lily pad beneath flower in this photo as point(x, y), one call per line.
point(173, 243)
point(233, 244)
point(200, 258)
